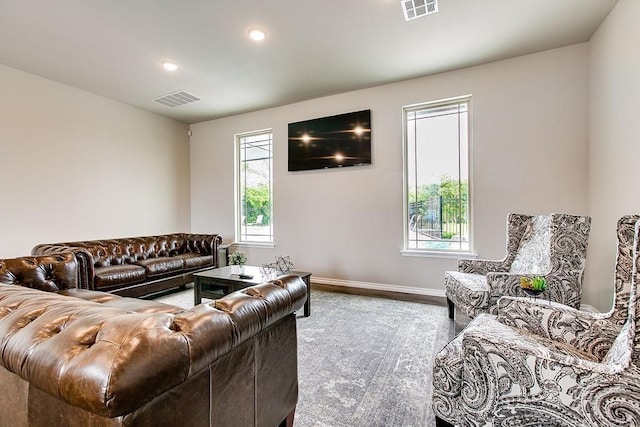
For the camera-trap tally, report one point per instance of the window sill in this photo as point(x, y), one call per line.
point(437, 254)
point(253, 245)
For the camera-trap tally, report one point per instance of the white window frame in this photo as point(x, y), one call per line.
point(241, 235)
point(431, 252)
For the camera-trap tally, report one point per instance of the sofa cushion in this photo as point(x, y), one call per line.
point(128, 304)
point(107, 277)
point(467, 290)
point(193, 261)
point(161, 266)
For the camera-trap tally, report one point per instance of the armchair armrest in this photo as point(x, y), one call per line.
point(515, 347)
point(508, 284)
point(591, 333)
point(501, 284)
point(517, 224)
point(481, 266)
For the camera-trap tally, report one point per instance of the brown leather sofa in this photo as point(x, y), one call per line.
point(137, 266)
point(76, 357)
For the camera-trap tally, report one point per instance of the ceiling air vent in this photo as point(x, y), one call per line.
point(176, 99)
point(416, 8)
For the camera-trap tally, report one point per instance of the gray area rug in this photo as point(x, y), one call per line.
point(363, 361)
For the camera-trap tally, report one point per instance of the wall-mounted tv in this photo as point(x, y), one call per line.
point(330, 142)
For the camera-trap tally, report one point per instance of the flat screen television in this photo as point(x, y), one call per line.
point(330, 142)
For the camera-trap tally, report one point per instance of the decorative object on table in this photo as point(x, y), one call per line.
point(533, 286)
point(237, 261)
point(282, 265)
point(268, 271)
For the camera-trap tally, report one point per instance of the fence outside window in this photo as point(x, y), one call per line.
point(439, 223)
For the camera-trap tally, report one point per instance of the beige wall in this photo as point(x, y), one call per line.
point(614, 141)
point(529, 155)
point(79, 166)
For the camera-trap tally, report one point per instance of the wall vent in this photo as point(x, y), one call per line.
point(416, 8)
point(176, 99)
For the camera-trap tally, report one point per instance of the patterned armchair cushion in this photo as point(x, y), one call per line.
point(468, 290)
point(534, 254)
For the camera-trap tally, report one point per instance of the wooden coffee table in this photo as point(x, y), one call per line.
point(217, 282)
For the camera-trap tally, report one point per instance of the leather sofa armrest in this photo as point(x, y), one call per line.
point(204, 244)
point(50, 273)
point(84, 260)
point(247, 312)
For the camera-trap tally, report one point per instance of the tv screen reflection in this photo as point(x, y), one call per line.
point(330, 142)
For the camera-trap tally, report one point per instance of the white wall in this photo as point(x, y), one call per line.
point(80, 166)
point(529, 155)
point(614, 141)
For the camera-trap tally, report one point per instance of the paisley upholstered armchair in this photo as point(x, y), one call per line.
point(553, 246)
point(548, 364)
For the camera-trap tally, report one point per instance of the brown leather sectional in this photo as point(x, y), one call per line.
point(137, 266)
point(76, 357)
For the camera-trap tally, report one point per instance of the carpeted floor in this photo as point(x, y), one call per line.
point(363, 361)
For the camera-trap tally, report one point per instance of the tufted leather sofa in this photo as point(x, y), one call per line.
point(76, 357)
point(137, 266)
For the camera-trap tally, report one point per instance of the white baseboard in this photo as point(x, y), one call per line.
point(401, 289)
point(378, 286)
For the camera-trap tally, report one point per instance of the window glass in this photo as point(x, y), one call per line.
point(254, 181)
point(436, 143)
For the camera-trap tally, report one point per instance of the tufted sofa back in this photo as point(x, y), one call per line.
point(46, 273)
point(92, 254)
point(131, 249)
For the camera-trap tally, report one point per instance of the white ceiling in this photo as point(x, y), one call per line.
point(313, 48)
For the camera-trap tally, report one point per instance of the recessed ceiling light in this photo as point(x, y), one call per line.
point(169, 66)
point(257, 34)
